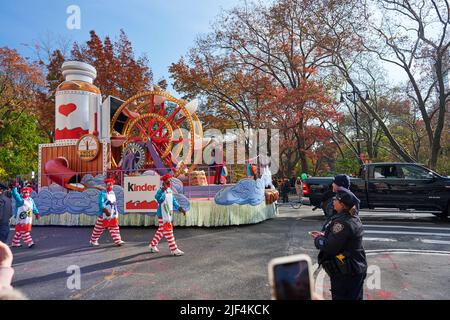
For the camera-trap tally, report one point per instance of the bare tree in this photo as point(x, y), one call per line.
point(413, 36)
point(421, 51)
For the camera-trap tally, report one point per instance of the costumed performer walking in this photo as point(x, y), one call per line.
point(108, 215)
point(166, 204)
point(25, 208)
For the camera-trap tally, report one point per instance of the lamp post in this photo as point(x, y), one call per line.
point(353, 96)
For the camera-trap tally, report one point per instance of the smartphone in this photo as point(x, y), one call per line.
point(290, 277)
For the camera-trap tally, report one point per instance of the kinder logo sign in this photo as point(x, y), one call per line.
point(139, 194)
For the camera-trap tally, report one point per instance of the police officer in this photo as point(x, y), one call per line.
point(341, 251)
point(340, 181)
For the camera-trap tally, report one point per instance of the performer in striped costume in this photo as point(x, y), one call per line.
point(166, 204)
point(25, 207)
point(108, 216)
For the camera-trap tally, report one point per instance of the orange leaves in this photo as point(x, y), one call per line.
point(18, 70)
point(119, 72)
point(19, 81)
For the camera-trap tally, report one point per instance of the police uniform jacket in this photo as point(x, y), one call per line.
point(341, 245)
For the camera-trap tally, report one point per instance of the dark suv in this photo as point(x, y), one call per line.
point(392, 185)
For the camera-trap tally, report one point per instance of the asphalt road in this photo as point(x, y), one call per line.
point(408, 256)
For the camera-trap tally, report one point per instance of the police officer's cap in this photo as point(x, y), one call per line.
point(346, 197)
point(342, 180)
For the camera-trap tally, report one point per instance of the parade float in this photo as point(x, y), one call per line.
point(135, 142)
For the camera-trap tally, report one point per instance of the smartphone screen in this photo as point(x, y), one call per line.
point(292, 281)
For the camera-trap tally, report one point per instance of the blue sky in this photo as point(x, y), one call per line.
point(162, 29)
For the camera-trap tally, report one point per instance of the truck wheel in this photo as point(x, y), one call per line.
point(444, 214)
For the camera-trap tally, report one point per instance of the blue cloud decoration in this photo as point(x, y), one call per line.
point(246, 191)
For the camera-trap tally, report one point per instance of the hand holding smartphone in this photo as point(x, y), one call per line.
point(290, 278)
point(315, 234)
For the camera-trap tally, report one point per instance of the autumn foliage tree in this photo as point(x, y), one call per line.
point(119, 72)
point(20, 83)
point(298, 114)
point(261, 61)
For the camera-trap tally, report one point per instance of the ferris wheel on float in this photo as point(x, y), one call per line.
point(156, 130)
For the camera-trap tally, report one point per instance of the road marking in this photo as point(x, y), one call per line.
point(434, 241)
point(408, 233)
point(418, 239)
point(396, 251)
point(404, 227)
point(406, 251)
point(390, 214)
point(397, 210)
point(380, 239)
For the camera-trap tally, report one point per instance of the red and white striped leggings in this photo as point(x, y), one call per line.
point(166, 233)
point(25, 235)
point(99, 228)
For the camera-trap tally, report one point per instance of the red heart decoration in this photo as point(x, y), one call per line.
point(66, 109)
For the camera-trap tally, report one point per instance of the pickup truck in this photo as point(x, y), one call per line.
point(390, 185)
